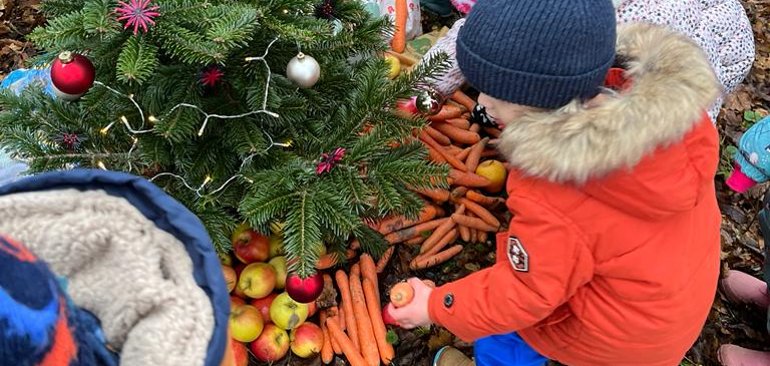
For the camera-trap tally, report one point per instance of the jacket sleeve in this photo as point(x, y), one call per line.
point(541, 262)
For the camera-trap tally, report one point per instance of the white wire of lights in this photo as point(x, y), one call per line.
point(263, 110)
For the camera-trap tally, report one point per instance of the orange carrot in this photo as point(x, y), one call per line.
point(447, 111)
point(482, 199)
point(464, 154)
point(355, 270)
point(341, 316)
point(474, 223)
point(458, 134)
point(475, 155)
point(416, 240)
point(450, 237)
point(475, 128)
point(437, 234)
point(383, 261)
point(411, 232)
point(401, 294)
point(432, 260)
point(365, 332)
point(434, 155)
point(327, 352)
point(465, 233)
point(490, 153)
point(474, 235)
point(459, 123)
point(455, 104)
point(463, 178)
point(463, 99)
point(378, 325)
point(494, 132)
point(451, 159)
point(327, 261)
point(457, 193)
point(399, 222)
point(438, 195)
point(438, 136)
point(346, 344)
point(481, 212)
point(483, 236)
point(454, 150)
point(344, 286)
point(398, 44)
point(369, 270)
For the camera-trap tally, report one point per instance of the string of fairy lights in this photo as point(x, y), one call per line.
point(123, 120)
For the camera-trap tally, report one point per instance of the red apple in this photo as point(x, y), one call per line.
point(240, 353)
point(305, 290)
point(271, 345)
point(250, 246)
point(263, 305)
point(230, 277)
point(236, 301)
point(257, 280)
point(306, 340)
point(245, 323)
point(312, 308)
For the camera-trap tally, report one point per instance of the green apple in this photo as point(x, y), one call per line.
point(257, 280)
point(279, 263)
point(276, 245)
point(286, 313)
point(245, 323)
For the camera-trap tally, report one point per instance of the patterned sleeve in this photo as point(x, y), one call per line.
point(452, 79)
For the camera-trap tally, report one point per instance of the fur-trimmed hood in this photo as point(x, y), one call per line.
point(673, 84)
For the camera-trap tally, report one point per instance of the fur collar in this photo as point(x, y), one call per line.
point(673, 83)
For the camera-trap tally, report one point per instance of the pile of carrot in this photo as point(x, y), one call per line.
point(461, 212)
point(355, 328)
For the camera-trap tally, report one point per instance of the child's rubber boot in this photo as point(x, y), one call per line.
point(732, 355)
point(449, 356)
point(740, 287)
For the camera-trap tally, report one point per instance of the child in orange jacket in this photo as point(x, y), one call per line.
point(612, 255)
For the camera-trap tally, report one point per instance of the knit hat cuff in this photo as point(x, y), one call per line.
point(739, 181)
point(530, 89)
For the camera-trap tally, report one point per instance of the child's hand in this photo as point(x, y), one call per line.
point(415, 314)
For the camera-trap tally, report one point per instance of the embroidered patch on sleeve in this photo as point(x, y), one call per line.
point(517, 255)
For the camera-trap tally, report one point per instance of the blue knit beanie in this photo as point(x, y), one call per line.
point(539, 53)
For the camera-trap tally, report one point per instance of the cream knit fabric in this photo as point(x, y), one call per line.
point(136, 278)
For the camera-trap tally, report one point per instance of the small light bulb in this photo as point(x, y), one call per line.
point(101, 166)
point(207, 180)
point(152, 119)
point(123, 119)
point(286, 11)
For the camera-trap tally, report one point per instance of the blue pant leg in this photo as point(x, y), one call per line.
point(506, 350)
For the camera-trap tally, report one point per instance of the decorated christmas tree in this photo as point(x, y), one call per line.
point(273, 113)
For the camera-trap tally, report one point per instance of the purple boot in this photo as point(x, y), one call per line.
point(732, 355)
point(742, 288)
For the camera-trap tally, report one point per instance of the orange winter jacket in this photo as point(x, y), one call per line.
point(612, 255)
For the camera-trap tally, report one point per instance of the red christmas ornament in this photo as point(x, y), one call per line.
point(72, 75)
point(305, 290)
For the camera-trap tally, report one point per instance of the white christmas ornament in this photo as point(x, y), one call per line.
point(303, 70)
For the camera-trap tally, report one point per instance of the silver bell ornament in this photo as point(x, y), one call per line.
point(303, 70)
point(429, 102)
